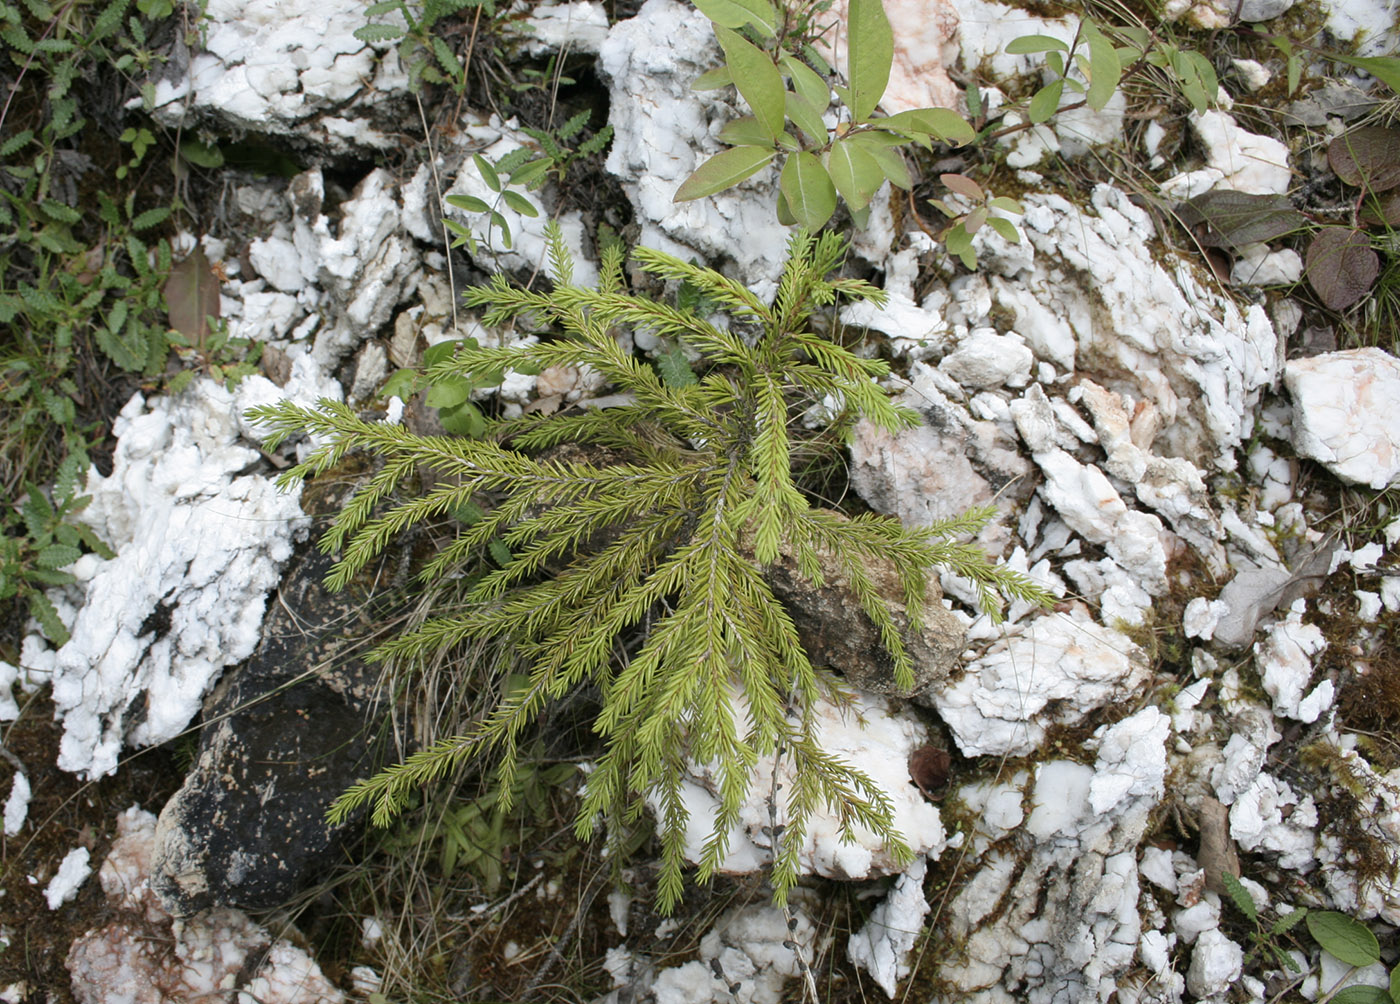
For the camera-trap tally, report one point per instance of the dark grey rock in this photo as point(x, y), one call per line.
point(837, 633)
point(287, 732)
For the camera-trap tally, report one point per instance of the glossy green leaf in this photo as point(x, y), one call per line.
point(806, 82)
point(737, 13)
point(854, 172)
point(713, 80)
point(449, 393)
point(1386, 69)
point(757, 79)
point(869, 56)
point(1034, 43)
point(785, 216)
point(1345, 938)
point(468, 202)
point(1046, 101)
point(1105, 71)
point(530, 174)
point(746, 131)
point(1005, 228)
point(487, 172)
point(723, 170)
point(944, 123)
point(810, 194)
point(807, 118)
point(1360, 993)
point(886, 154)
point(1395, 985)
point(520, 204)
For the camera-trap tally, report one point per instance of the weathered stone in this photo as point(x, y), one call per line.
point(287, 733)
point(837, 633)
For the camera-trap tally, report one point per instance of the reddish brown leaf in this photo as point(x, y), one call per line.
point(1368, 156)
point(1383, 209)
point(192, 297)
point(1341, 266)
point(928, 768)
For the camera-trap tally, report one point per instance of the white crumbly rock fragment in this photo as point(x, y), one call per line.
point(1368, 605)
point(1087, 501)
point(579, 27)
point(873, 737)
point(1156, 866)
point(17, 804)
point(999, 705)
point(1247, 162)
point(986, 359)
point(749, 946)
point(141, 956)
point(279, 67)
point(1284, 659)
point(1120, 598)
point(1088, 292)
point(1258, 266)
point(1371, 24)
point(1378, 811)
point(1344, 408)
point(664, 130)
point(1060, 921)
point(72, 872)
point(193, 539)
point(1216, 964)
point(1258, 822)
point(1201, 616)
point(882, 946)
point(1132, 759)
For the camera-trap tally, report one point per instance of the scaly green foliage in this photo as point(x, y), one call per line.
point(663, 523)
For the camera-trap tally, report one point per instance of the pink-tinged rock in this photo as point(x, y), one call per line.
point(925, 42)
point(1346, 413)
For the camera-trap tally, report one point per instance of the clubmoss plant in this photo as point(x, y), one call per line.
point(638, 536)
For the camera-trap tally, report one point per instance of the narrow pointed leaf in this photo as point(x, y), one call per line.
point(810, 194)
point(869, 56)
point(1046, 101)
point(944, 123)
point(1105, 71)
point(192, 297)
point(1034, 43)
point(723, 170)
point(808, 119)
point(854, 172)
point(758, 80)
point(468, 202)
point(807, 82)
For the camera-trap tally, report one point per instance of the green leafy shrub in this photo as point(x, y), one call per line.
point(657, 518)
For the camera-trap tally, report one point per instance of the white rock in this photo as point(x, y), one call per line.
point(1120, 598)
point(17, 804)
point(882, 946)
point(1216, 963)
point(1258, 266)
point(277, 67)
point(576, 27)
point(1087, 290)
point(1156, 866)
point(139, 956)
point(1257, 165)
point(749, 947)
point(1196, 920)
point(73, 871)
point(192, 539)
point(1088, 502)
point(870, 736)
point(998, 706)
point(1201, 616)
point(664, 130)
point(1132, 759)
point(986, 359)
point(1257, 822)
point(1284, 660)
point(1344, 408)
